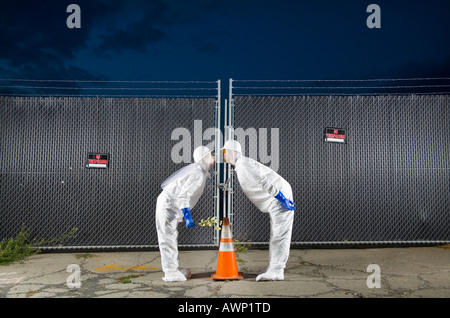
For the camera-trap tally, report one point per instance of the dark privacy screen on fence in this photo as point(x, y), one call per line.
point(45, 184)
point(389, 182)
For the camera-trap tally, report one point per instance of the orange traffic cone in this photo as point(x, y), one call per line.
point(226, 264)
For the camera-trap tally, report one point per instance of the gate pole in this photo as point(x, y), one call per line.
point(217, 163)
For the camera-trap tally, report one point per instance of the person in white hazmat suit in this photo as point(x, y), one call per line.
point(181, 192)
point(272, 194)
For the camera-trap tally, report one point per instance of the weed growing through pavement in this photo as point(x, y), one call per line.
point(127, 279)
point(24, 245)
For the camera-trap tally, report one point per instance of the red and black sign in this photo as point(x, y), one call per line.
point(335, 135)
point(97, 161)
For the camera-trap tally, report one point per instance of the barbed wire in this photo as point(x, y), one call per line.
point(261, 87)
point(103, 81)
point(110, 88)
point(352, 80)
point(416, 85)
point(339, 87)
point(95, 88)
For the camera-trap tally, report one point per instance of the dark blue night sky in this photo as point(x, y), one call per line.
point(206, 40)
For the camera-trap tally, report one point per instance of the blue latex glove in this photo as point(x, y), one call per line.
point(285, 203)
point(187, 218)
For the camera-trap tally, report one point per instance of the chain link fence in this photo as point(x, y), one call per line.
point(45, 184)
point(389, 183)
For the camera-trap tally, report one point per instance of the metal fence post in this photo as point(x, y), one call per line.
point(217, 163)
point(230, 136)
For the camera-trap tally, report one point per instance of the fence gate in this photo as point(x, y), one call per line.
point(46, 185)
point(387, 183)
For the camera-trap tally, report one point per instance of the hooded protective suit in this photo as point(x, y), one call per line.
point(181, 192)
point(268, 191)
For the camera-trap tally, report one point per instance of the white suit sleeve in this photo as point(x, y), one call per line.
point(265, 179)
point(188, 188)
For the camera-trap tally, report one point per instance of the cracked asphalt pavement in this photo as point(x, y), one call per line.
point(402, 272)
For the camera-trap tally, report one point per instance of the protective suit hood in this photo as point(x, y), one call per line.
point(232, 151)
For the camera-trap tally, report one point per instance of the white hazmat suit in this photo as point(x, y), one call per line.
point(267, 191)
point(181, 192)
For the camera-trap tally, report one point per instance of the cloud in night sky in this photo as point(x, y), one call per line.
point(208, 40)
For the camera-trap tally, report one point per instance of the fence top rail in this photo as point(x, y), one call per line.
point(109, 96)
